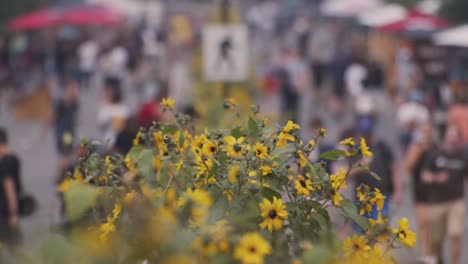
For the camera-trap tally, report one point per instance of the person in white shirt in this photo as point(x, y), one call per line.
point(113, 113)
point(87, 54)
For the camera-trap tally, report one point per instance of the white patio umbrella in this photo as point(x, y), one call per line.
point(347, 8)
point(382, 15)
point(128, 7)
point(456, 37)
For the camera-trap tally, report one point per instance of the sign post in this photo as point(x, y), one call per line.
point(225, 50)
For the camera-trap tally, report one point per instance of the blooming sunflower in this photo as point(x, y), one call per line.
point(303, 185)
point(406, 236)
point(252, 248)
point(356, 246)
point(234, 146)
point(209, 148)
point(364, 148)
point(265, 169)
point(168, 102)
point(261, 151)
point(274, 213)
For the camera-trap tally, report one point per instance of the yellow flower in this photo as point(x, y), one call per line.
point(303, 185)
point(338, 180)
point(348, 142)
point(265, 169)
point(362, 191)
point(378, 199)
point(312, 143)
point(252, 248)
point(365, 149)
point(209, 148)
point(406, 236)
point(233, 174)
point(302, 158)
point(205, 245)
point(168, 102)
point(356, 246)
point(336, 197)
point(228, 194)
point(64, 185)
point(261, 151)
point(136, 141)
point(290, 126)
point(106, 228)
point(198, 202)
point(234, 146)
point(130, 196)
point(323, 132)
point(283, 137)
point(198, 142)
point(129, 163)
point(380, 228)
point(158, 138)
point(109, 165)
point(365, 207)
point(274, 213)
point(167, 210)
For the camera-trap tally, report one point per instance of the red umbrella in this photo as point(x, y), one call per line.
point(416, 21)
point(91, 15)
point(36, 19)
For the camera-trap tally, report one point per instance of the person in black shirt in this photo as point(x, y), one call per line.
point(418, 153)
point(65, 117)
point(444, 174)
point(10, 188)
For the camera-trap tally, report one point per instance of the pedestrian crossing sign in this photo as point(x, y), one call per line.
point(225, 52)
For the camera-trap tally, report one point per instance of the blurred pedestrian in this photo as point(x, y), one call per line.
point(444, 172)
point(384, 164)
point(10, 191)
point(87, 55)
point(112, 112)
point(65, 117)
point(422, 146)
point(409, 116)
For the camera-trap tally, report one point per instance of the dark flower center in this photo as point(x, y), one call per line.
point(356, 247)
point(212, 149)
point(252, 249)
point(403, 233)
point(237, 148)
point(259, 152)
point(303, 183)
point(272, 214)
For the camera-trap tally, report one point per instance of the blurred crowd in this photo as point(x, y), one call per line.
point(310, 69)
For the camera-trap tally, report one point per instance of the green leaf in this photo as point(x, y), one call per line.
point(318, 254)
point(333, 154)
point(269, 193)
point(56, 250)
point(253, 128)
point(218, 210)
point(350, 210)
point(79, 198)
point(237, 132)
point(170, 129)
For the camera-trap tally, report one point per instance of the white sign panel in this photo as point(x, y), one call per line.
point(225, 52)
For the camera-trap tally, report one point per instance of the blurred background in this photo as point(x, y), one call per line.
point(99, 69)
